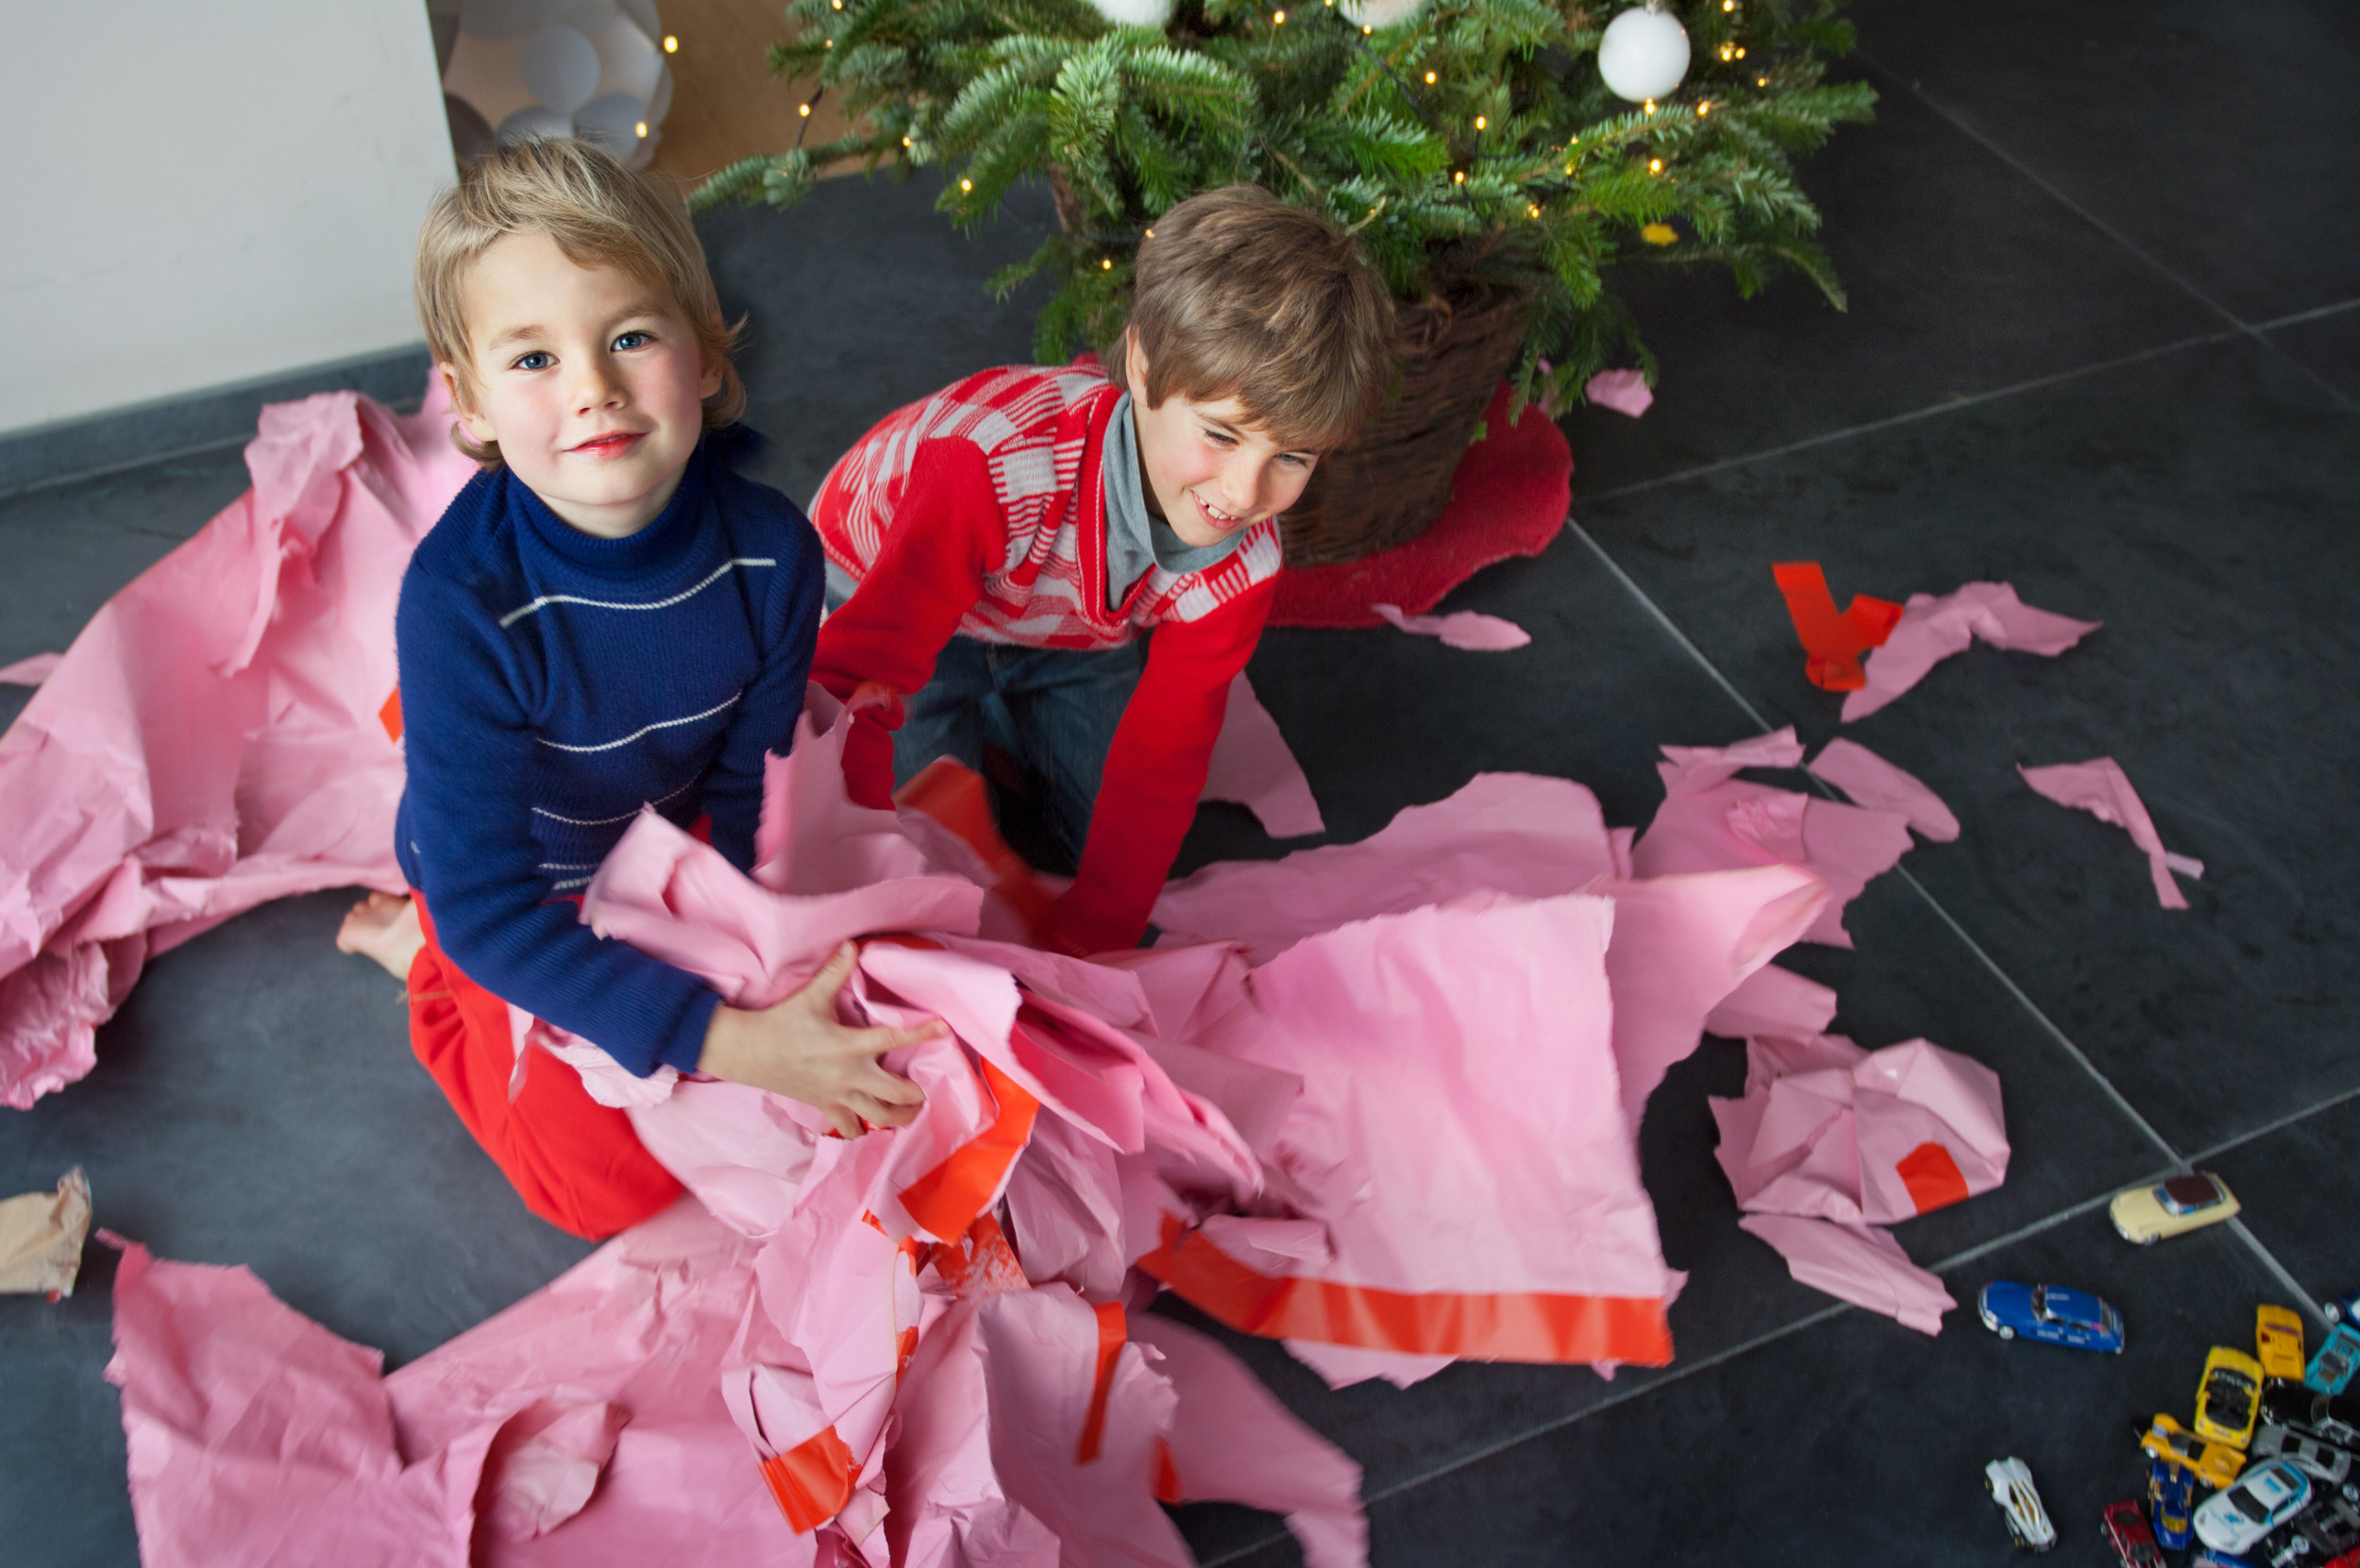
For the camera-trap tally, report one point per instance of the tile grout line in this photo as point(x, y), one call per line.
point(1913, 415)
point(2058, 195)
point(2315, 314)
point(1655, 612)
point(2280, 1125)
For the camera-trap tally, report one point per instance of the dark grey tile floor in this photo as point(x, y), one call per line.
point(2104, 341)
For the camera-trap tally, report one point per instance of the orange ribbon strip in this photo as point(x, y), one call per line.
point(812, 1481)
point(1508, 1326)
point(947, 1199)
point(1112, 1329)
point(389, 716)
point(954, 795)
point(1832, 641)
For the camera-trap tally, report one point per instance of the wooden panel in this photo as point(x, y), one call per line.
point(725, 103)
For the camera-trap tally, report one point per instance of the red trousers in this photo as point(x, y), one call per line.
point(577, 1164)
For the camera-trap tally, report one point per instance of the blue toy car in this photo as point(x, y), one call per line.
point(2337, 1360)
point(2171, 1498)
point(2050, 1313)
point(2343, 1308)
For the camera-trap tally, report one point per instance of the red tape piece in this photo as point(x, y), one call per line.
point(1166, 1487)
point(1832, 641)
point(1112, 1329)
point(812, 1481)
point(389, 716)
point(1932, 1177)
point(947, 1199)
point(954, 795)
point(1508, 1327)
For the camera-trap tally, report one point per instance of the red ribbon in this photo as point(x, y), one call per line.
point(1833, 642)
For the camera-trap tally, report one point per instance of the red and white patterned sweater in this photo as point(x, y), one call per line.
point(982, 510)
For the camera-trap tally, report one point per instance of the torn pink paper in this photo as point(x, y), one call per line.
point(1932, 628)
point(1879, 785)
point(1857, 1263)
point(1712, 820)
point(1773, 1001)
point(1466, 628)
point(30, 672)
point(214, 737)
point(1623, 391)
point(1252, 767)
point(2101, 788)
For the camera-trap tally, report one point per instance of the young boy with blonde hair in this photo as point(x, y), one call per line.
point(608, 615)
point(1075, 567)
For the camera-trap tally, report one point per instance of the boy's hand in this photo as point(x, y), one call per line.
point(797, 1049)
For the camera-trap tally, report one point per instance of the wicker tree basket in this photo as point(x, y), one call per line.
point(1390, 483)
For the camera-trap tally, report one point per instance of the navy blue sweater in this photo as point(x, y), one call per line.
point(551, 682)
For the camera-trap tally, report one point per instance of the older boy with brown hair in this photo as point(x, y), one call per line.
point(1075, 567)
point(608, 617)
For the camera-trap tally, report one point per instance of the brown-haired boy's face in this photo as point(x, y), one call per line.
point(1210, 471)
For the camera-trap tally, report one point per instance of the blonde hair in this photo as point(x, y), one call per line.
point(1238, 294)
point(600, 215)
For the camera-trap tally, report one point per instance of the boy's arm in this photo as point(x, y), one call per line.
point(470, 754)
point(1154, 772)
point(928, 574)
point(765, 719)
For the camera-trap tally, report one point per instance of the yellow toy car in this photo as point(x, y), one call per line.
point(2229, 1400)
point(2214, 1463)
point(2277, 1343)
point(2148, 1214)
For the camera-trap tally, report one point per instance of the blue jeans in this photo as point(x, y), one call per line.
point(1053, 710)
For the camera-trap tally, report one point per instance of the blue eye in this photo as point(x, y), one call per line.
point(527, 362)
point(629, 341)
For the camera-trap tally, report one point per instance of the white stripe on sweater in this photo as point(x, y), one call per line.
point(719, 572)
point(608, 821)
point(637, 734)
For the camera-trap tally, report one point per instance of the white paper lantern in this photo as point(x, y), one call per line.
point(559, 68)
point(1643, 54)
point(1379, 13)
point(586, 68)
point(1135, 13)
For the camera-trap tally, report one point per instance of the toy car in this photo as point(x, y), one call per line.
point(2215, 1463)
point(2171, 1498)
point(2315, 1458)
point(2207, 1557)
point(2148, 1214)
point(2050, 1313)
point(2229, 1398)
point(2302, 1409)
point(2331, 1524)
point(2125, 1530)
point(2010, 1483)
point(2278, 1342)
point(2343, 1308)
point(2332, 1367)
point(2265, 1497)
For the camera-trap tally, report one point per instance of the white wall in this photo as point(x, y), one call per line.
point(197, 194)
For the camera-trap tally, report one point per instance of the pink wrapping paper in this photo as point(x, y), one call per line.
point(1252, 767)
point(1623, 391)
point(2101, 788)
point(212, 740)
point(1712, 820)
point(30, 672)
point(1932, 628)
point(1470, 630)
point(1856, 1263)
point(1879, 785)
point(1773, 1001)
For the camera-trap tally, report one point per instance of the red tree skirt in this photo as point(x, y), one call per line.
point(1510, 496)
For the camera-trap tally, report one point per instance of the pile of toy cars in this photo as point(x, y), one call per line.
point(2277, 1444)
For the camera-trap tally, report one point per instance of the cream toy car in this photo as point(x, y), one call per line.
point(2147, 1214)
point(2010, 1483)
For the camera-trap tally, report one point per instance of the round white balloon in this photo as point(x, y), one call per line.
point(1643, 54)
point(613, 122)
point(559, 68)
point(1135, 13)
point(1379, 13)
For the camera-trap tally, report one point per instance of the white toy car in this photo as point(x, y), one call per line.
point(2265, 1497)
point(2010, 1484)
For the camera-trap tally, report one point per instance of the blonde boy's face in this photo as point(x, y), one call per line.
point(1210, 473)
point(591, 381)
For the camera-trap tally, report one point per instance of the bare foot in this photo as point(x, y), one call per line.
point(383, 926)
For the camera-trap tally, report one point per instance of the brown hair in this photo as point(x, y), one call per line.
point(600, 215)
point(1241, 296)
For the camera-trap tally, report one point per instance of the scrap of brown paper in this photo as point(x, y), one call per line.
point(40, 1238)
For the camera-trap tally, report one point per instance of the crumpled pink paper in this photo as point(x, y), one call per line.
point(1470, 630)
point(211, 740)
point(1878, 784)
point(2101, 788)
point(1773, 1001)
point(1857, 1263)
point(1623, 391)
point(1933, 627)
point(30, 672)
point(1712, 820)
point(1252, 767)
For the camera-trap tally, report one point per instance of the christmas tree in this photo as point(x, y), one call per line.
point(1472, 144)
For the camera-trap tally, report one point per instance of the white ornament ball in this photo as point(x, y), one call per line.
point(1379, 13)
point(1643, 54)
point(1135, 13)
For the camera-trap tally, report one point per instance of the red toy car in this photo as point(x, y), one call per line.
point(2125, 1527)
